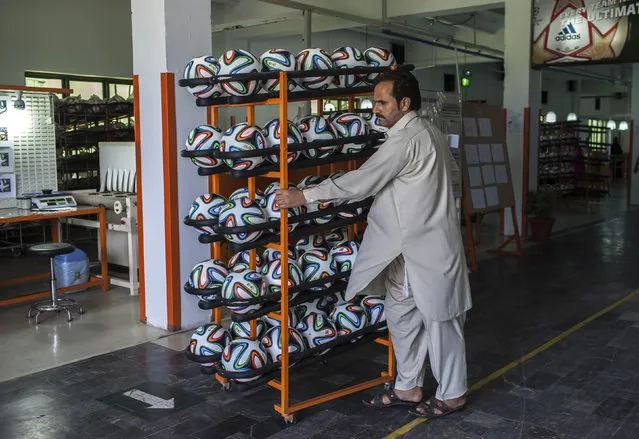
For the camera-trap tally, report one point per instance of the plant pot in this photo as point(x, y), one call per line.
point(541, 228)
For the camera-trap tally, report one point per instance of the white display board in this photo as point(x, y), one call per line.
point(29, 134)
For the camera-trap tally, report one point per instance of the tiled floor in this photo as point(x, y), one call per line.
point(584, 386)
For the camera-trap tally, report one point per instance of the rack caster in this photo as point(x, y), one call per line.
point(226, 386)
point(290, 419)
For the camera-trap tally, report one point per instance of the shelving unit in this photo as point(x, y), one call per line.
point(571, 164)
point(81, 126)
point(218, 181)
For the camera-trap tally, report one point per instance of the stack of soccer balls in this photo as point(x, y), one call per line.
point(239, 210)
point(240, 61)
point(243, 137)
point(310, 326)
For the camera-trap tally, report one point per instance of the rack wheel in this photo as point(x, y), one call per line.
point(226, 386)
point(290, 419)
point(388, 386)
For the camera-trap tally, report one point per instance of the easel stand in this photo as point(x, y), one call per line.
point(222, 182)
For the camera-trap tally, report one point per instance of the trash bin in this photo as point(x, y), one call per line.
point(71, 269)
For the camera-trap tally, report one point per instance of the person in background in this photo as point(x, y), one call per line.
point(412, 248)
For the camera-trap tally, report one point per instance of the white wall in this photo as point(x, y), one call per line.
point(91, 37)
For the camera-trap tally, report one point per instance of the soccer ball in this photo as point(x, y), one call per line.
point(204, 137)
point(273, 277)
point(317, 329)
point(316, 265)
point(344, 256)
point(272, 188)
point(244, 355)
point(209, 340)
point(270, 255)
point(208, 274)
point(347, 58)
point(373, 123)
point(244, 192)
point(563, 33)
point(243, 137)
point(243, 329)
point(378, 57)
point(308, 180)
point(349, 125)
point(237, 61)
point(241, 261)
point(203, 67)
point(241, 212)
point(310, 242)
point(272, 342)
point(374, 307)
point(277, 60)
point(206, 207)
point(336, 237)
point(316, 306)
point(317, 128)
point(243, 285)
point(292, 319)
point(272, 134)
point(274, 213)
point(317, 206)
point(315, 60)
point(348, 318)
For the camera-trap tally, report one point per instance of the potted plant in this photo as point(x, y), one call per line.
point(541, 205)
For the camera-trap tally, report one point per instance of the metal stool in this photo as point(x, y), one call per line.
point(52, 250)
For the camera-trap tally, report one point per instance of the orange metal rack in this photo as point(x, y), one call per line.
point(222, 184)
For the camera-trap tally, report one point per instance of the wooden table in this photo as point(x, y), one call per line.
point(18, 215)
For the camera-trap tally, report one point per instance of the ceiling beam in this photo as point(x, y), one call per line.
point(253, 22)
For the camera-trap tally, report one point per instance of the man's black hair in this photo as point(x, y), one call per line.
point(405, 85)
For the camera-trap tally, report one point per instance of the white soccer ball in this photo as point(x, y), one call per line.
point(270, 254)
point(243, 329)
point(239, 61)
point(336, 237)
point(317, 265)
point(206, 207)
point(349, 125)
point(272, 188)
point(274, 213)
point(244, 192)
point(344, 256)
point(243, 137)
point(244, 355)
point(241, 212)
point(292, 319)
point(347, 58)
point(277, 60)
point(309, 180)
point(208, 274)
point(241, 261)
point(272, 134)
point(272, 342)
point(374, 307)
point(317, 128)
point(203, 67)
point(243, 285)
point(209, 340)
point(378, 57)
point(273, 277)
point(374, 124)
point(310, 242)
point(315, 60)
point(204, 138)
point(317, 329)
point(317, 206)
point(348, 318)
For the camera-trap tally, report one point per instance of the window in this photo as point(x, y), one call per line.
point(85, 86)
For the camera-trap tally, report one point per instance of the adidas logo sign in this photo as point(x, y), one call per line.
point(568, 33)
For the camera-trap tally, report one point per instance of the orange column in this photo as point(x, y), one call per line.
point(171, 217)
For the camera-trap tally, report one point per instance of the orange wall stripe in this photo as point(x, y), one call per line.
point(138, 183)
point(172, 244)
